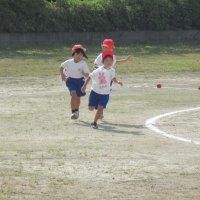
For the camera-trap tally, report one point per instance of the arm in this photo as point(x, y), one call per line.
point(85, 70)
point(129, 57)
point(85, 74)
point(63, 76)
point(95, 66)
point(117, 81)
point(85, 84)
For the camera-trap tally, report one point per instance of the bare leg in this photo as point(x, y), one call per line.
point(101, 115)
point(91, 108)
point(78, 102)
point(73, 100)
point(98, 113)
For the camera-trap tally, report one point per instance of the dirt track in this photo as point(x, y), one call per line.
point(45, 155)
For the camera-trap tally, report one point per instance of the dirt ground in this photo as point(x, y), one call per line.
point(45, 155)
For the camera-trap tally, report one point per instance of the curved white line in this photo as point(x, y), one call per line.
point(150, 124)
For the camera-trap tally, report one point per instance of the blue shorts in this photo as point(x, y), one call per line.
point(98, 99)
point(75, 84)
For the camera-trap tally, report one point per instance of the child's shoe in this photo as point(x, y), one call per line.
point(73, 116)
point(76, 114)
point(94, 125)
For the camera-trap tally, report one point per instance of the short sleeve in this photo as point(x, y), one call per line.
point(114, 61)
point(85, 68)
point(98, 61)
point(64, 64)
point(92, 74)
point(113, 73)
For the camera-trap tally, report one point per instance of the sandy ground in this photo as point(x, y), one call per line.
point(46, 155)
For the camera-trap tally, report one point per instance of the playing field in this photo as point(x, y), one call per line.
point(44, 155)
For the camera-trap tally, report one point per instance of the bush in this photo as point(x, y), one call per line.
point(98, 15)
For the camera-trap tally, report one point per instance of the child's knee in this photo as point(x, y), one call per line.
point(100, 108)
point(73, 94)
point(91, 108)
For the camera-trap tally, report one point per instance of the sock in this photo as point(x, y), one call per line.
point(73, 111)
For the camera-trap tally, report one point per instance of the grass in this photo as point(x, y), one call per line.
point(42, 61)
point(71, 161)
point(45, 155)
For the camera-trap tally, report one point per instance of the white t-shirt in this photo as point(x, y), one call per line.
point(73, 69)
point(98, 61)
point(101, 79)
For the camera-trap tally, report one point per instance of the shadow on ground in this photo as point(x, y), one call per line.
point(115, 127)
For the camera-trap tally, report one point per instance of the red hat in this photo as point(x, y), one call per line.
point(108, 43)
point(78, 46)
point(107, 53)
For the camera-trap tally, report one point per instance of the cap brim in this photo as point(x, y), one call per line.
point(84, 49)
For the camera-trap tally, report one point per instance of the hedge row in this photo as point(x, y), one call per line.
point(98, 15)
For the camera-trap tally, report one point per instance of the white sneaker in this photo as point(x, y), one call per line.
point(76, 114)
point(73, 116)
point(94, 125)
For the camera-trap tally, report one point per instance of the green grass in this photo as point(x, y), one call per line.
point(147, 58)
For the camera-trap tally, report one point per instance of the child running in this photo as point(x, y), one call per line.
point(108, 44)
point(73, 72)
point(101, 78)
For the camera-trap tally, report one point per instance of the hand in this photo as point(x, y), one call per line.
point(83, 89)
point(64, 78)
point(120, 83)
point(129, 57)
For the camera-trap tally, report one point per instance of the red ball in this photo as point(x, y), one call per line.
point(199, 88)
point(158, 85)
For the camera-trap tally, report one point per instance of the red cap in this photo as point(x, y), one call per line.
point(78, 46)
point(108, 43)
point(107, 53)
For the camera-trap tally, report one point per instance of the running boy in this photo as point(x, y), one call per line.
point(108, 44)
point(73, 72)
point(101, 79)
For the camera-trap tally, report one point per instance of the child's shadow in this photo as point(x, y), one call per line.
point(112, 127)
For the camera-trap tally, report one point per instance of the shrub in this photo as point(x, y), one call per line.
point(98, 15)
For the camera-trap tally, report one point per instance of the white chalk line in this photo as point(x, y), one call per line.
point(150, 124)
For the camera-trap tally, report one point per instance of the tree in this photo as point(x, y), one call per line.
point(59, 3)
